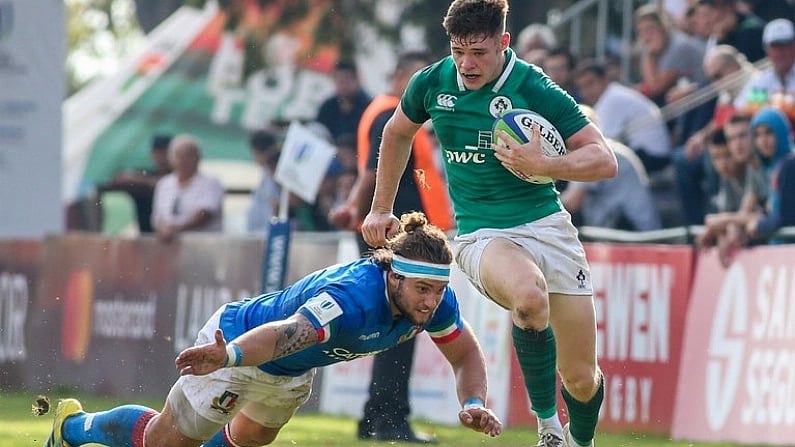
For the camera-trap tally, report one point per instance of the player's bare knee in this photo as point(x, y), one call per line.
point(582, 383)
point(251, 436)
point(159, 432)
point(531, 306)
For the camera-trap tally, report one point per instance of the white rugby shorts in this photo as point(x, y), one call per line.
point(552, 241)
point(204, 404)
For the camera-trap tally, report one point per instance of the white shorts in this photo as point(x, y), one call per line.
point(551, 241)
point(204, 404)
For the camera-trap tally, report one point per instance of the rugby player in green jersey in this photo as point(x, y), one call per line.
point(515, 242)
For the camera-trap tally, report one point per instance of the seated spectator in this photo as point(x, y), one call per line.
point(732, 26)
point(186, 199)
point(728, 70)
point(700, 23)
point(534, 43)
point(678, 13)
point(773, 137)
point(625, 115)
point(668, 56)
point(727, 227)
point(623, 202)
point(559, 65)
point(772, 134)
point(729, 195)
point(781, 207)
point(775, 85)
point(265, 198)
point(741, 146)
point(140, 184)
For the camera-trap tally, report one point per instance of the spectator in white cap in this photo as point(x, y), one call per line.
point(775, 85)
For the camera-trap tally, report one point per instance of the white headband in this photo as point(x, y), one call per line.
point(419, 269)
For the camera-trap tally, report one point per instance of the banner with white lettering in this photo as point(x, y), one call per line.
point(640, 294)
point(116, 311)
point(275, 257)
point(20, 265)
point(737, 380)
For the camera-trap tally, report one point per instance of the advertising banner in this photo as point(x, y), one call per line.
point(116, 311)
point(213, 270)
point(103, 304)
point(640, 294)
point(275, 258)
point(20, 262)
point(737, 379)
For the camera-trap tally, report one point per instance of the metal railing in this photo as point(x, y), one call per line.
point(677, 235)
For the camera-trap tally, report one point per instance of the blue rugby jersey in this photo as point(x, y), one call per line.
point(348, 306)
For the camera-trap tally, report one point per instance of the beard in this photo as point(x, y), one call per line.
point(412, 315)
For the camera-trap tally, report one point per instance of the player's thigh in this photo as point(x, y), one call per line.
point(573, 320)
point(246, 431)
point(507, 270)
point(199, 406)
point(162, 431)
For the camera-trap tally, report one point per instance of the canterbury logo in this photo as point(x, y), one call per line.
point(446, 101)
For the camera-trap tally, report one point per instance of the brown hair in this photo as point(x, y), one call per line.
point(418, 240)
point(475, 20)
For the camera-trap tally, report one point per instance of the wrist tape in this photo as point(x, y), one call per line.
point(473, 403)
point(234, 356)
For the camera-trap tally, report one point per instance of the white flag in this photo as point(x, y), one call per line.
point(304, 161)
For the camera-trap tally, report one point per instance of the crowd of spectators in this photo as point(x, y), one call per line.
point(713, 157)
point(708, 155)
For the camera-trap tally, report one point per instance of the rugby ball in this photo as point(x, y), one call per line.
point(518, 123)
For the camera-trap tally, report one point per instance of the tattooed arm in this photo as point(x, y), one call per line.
point(262, 344)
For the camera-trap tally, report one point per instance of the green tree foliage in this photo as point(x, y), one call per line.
point(99, 34)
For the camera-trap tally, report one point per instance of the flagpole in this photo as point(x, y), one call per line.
point(284, 204)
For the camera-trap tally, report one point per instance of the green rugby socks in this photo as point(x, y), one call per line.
point(537, 357)
point(583, 416)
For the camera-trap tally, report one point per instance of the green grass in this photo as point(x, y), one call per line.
point(20, 428)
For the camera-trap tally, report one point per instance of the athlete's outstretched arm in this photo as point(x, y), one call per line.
point(393, 155)
point(262, 344)
point(469, 366)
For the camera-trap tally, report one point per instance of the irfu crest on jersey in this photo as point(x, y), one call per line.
point(498, 105)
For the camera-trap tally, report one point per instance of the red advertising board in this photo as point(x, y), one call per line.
point(116, 311)
point(737, 380)
point(20, 262)
point(640, 294)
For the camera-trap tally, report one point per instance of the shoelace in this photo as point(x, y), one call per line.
point(550, 440)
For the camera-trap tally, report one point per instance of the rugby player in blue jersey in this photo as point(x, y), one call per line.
point(254, 360)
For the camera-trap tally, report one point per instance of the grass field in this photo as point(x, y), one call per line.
point(20, 428)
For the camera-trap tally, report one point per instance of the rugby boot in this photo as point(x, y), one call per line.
point(65, 409)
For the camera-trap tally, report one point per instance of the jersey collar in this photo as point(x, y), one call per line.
point(510, 56)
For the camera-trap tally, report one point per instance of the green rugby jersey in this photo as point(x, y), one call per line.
point(484, 193)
